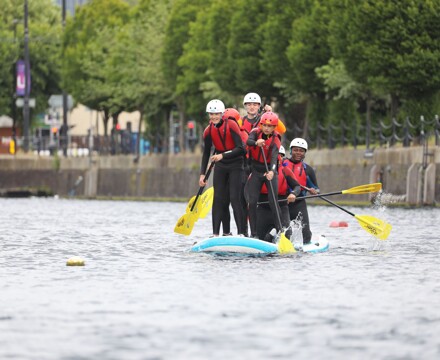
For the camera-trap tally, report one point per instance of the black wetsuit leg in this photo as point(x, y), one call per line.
point(244, 200)
point(253, 189)
point(235, 189)
point(219, 204)
point(273, 201)
point(226, 218)
point(265, 221)
point(295, 209)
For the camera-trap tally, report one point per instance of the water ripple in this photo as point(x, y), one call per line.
point(142, 295)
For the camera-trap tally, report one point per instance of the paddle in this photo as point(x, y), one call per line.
point(186, 222)
point(284, 244)
point(204, 204)
point(374, 226)
point(357, 190)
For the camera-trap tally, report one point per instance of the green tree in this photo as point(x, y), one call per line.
point(44, 23)
point(308, 50)
point(88, 40)
point(389, 46)
point(183, 14)
point(245, 47)
point(137, 77)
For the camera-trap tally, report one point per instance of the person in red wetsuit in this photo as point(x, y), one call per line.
point(252, 105)
point(288, 190)
point(305, 175)
point(224, 136)
point(233, 114)
point(266, 139)
point(254, 111)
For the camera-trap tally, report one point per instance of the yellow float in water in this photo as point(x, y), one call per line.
point(75, 261)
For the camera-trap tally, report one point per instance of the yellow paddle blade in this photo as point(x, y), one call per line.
point(204, 204)
point(190, 203)
point(374, 226)
point(364, 189)
point(285, 246)
point(185, 224)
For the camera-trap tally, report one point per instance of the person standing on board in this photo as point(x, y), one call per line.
point(288, 190)
point(224, 136)
point(263, 138)
point(252, 105)
point(306, 177)
point(234, 115)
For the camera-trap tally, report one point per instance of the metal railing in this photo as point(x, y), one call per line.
point(320, 136)
point(382, 134)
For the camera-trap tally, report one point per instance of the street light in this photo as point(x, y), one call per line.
point(64, 128)
point(26, 82)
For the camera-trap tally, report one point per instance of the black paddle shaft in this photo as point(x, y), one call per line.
point(339, 207)
point(202, 187)
point(271, 188)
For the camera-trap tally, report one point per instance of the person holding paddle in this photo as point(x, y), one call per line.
point(254, 111)
point(224, 136)
point(288, 190)
point(306, 177)
point(263, 143)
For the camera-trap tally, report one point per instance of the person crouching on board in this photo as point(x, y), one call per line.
point(224, 136)
point(288, 190)
point(306, 177)
point(263, 139)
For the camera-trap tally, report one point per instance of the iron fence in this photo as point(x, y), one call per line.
point(406, 133)
point(320, 136)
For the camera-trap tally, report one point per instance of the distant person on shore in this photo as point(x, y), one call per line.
point(224, 136)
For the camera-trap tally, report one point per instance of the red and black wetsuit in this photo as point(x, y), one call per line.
point(305, 175)
point(247, 125)
point(258, 169)
point(225, 138)
point(286, 185)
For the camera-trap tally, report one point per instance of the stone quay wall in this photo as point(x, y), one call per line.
point(402, 171)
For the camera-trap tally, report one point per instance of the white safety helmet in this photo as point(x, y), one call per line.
point(252, 98)
point(282, 151)
point(215, 106)
point(299, 142)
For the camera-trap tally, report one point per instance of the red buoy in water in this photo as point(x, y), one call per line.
point(336, 224)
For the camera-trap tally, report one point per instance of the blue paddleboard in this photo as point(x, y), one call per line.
point(245, 245)
point(318, 245)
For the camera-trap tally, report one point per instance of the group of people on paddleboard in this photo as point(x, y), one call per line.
point(252, 172)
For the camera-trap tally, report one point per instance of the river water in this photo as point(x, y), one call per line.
point(142, 295)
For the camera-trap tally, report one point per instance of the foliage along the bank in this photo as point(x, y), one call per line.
point(326, 61)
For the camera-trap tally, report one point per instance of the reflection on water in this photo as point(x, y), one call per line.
point(142, 295)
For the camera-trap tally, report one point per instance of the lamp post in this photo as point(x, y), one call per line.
point(64, 128)
point(26, 82)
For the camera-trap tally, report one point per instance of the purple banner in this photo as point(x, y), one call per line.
point(21, 83)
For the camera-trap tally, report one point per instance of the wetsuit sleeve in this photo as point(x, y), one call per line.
point(274, 158)
point(239, 149)
point(311, 178)
point(207, 141)
point(252, 139)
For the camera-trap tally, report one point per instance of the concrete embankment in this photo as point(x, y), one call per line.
point(405, 177)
